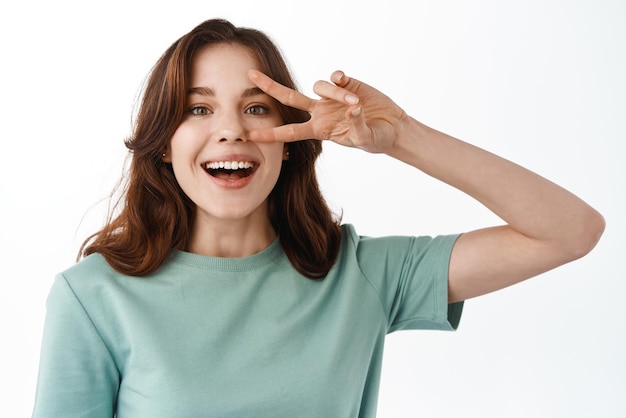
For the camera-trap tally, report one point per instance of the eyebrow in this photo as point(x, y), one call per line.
point(207, 91)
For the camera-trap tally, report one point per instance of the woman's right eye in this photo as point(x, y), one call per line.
point(199, 110)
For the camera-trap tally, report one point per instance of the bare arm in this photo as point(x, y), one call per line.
point(546, 226)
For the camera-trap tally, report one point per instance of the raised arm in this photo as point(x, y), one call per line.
point(545, 225)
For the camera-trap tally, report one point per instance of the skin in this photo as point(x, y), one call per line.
point(224, 105)
point(545, 225)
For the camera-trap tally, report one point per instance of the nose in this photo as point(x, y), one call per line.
point(230, 128)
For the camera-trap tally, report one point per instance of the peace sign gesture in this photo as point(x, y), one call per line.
point(349, 112)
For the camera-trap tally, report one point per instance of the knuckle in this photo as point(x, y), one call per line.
point(290, 98)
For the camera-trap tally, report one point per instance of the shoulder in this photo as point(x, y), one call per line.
point(409, 274)
point(391, 260)
point(375, 248)
point(92, 277)
point(91, 268)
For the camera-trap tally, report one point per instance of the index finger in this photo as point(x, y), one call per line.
point(285, 133)
point(283, 94)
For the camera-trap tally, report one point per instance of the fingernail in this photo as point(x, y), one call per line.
point(357, 111)
point(351, 99)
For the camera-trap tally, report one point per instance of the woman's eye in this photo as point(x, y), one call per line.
point(199, 111)
point(257, 110)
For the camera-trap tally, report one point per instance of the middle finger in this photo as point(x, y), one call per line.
point(283, 94)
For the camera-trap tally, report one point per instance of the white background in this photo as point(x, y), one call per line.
point(542, 83)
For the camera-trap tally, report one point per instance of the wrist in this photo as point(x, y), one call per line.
point(409, 134)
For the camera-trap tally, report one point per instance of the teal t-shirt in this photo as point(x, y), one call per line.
point(247, 337)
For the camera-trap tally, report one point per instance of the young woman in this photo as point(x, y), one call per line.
point(225, 287)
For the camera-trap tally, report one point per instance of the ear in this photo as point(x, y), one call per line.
point(166, 157)
point(285, 152)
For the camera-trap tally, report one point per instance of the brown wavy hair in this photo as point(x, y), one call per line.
point(155, 216)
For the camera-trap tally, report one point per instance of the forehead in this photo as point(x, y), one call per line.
point(221, 63)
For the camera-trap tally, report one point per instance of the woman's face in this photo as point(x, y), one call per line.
point(228, 177)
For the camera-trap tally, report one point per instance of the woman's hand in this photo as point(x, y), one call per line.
point(349, 112)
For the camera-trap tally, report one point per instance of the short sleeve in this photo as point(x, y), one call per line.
point(410, 275)
point(77, 375)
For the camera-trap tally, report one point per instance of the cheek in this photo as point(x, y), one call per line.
point(183, 141)
point(275, 154)
point(181, 155)
point(176, 140)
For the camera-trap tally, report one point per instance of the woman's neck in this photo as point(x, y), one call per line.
point(230, 238)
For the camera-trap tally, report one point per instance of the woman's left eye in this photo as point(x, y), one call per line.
point(257, 110)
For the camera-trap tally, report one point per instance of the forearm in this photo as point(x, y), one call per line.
point(527, 202)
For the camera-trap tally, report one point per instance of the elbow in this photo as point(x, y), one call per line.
point(585, 235)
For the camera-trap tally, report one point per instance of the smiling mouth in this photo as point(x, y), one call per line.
point(230, 170)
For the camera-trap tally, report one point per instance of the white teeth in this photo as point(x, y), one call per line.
point(229, 165)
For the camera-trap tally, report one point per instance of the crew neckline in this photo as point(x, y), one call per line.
point(251, 262)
